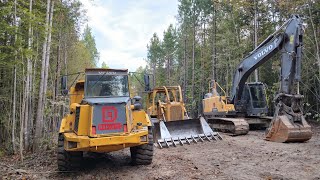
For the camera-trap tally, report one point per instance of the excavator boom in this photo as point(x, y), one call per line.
point(288, 123)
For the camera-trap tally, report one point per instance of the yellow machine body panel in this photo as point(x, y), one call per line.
point(215, 103)
point(77, 92)
point(114, 142)
point(216, 108)
point(218, 103)
point(80, 130)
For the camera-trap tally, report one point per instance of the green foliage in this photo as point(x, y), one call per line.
point(90, 44)
point(80, 58)
point(68, 54)
point(223, 31)
point(104, 65)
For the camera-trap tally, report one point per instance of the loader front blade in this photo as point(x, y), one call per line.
point(283, 130)
point(182, 132)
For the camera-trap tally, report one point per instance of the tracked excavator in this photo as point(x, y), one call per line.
point(172, 125)
point(288, 123)
point(222, 115)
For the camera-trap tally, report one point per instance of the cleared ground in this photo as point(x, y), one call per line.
point(242, 157)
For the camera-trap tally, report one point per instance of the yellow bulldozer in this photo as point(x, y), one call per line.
point(171, 121)
point(103, 118)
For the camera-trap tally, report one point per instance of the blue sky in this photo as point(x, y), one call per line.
point(122, 29)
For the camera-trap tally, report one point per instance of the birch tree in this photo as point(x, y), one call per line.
point(39, 118)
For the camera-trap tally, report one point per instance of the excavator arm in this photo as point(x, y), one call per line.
point(288, 123)
point(255, 59)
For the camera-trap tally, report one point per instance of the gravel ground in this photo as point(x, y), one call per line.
point(240, 157)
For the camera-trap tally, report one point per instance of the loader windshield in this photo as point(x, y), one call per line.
point(107, 86)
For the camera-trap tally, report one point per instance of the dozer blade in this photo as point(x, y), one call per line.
point(182, 132)
point(283, 130)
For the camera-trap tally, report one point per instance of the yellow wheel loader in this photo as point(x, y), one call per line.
point(172, 124)
point(103, 118)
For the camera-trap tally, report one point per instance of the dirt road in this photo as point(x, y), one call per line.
point(242, 157)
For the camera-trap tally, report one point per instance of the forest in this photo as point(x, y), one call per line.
point(211, 38)
point(39, 42)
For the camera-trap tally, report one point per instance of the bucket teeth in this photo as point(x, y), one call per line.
point(187, 141)
point(181, 143)
point(207, 138)
point(200, 138)
point(166, 142)
point(174, 142)
point(184, 132)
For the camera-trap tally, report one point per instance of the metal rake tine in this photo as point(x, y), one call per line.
point(213, 137)
point(219, 137)
point(207, 137)
point(180, 141)
point(166, 143)
point(173, 143)
point(200, 138)
point(159, 143)
point(187, 140)
point(194, 139)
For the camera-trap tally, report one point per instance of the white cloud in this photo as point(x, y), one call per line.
point(122, 29)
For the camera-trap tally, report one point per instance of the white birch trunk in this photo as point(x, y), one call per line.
point(39, 118)
point(28, 86)
point(47, 57)
point(14, 87)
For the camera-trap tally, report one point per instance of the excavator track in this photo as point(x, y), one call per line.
point(235, 126)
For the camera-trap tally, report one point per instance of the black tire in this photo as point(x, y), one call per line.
point(143, 154)
point(67, 161)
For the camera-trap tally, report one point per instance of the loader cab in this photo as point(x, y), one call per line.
point(104, 98)
point(106, 83)
point(166, 103)
point(254, 99)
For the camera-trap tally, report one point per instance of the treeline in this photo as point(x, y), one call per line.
point(212, 37)
point(39, 41)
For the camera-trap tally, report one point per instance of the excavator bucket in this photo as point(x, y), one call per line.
point(182, 132)
point(283, 130)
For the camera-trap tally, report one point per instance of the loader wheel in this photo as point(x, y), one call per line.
point(67, 161)
point(143, 154)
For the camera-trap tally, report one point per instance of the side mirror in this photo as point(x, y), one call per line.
point(64, 89)
point(137, 103)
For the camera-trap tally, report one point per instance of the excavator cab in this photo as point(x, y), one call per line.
point(253, 102)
